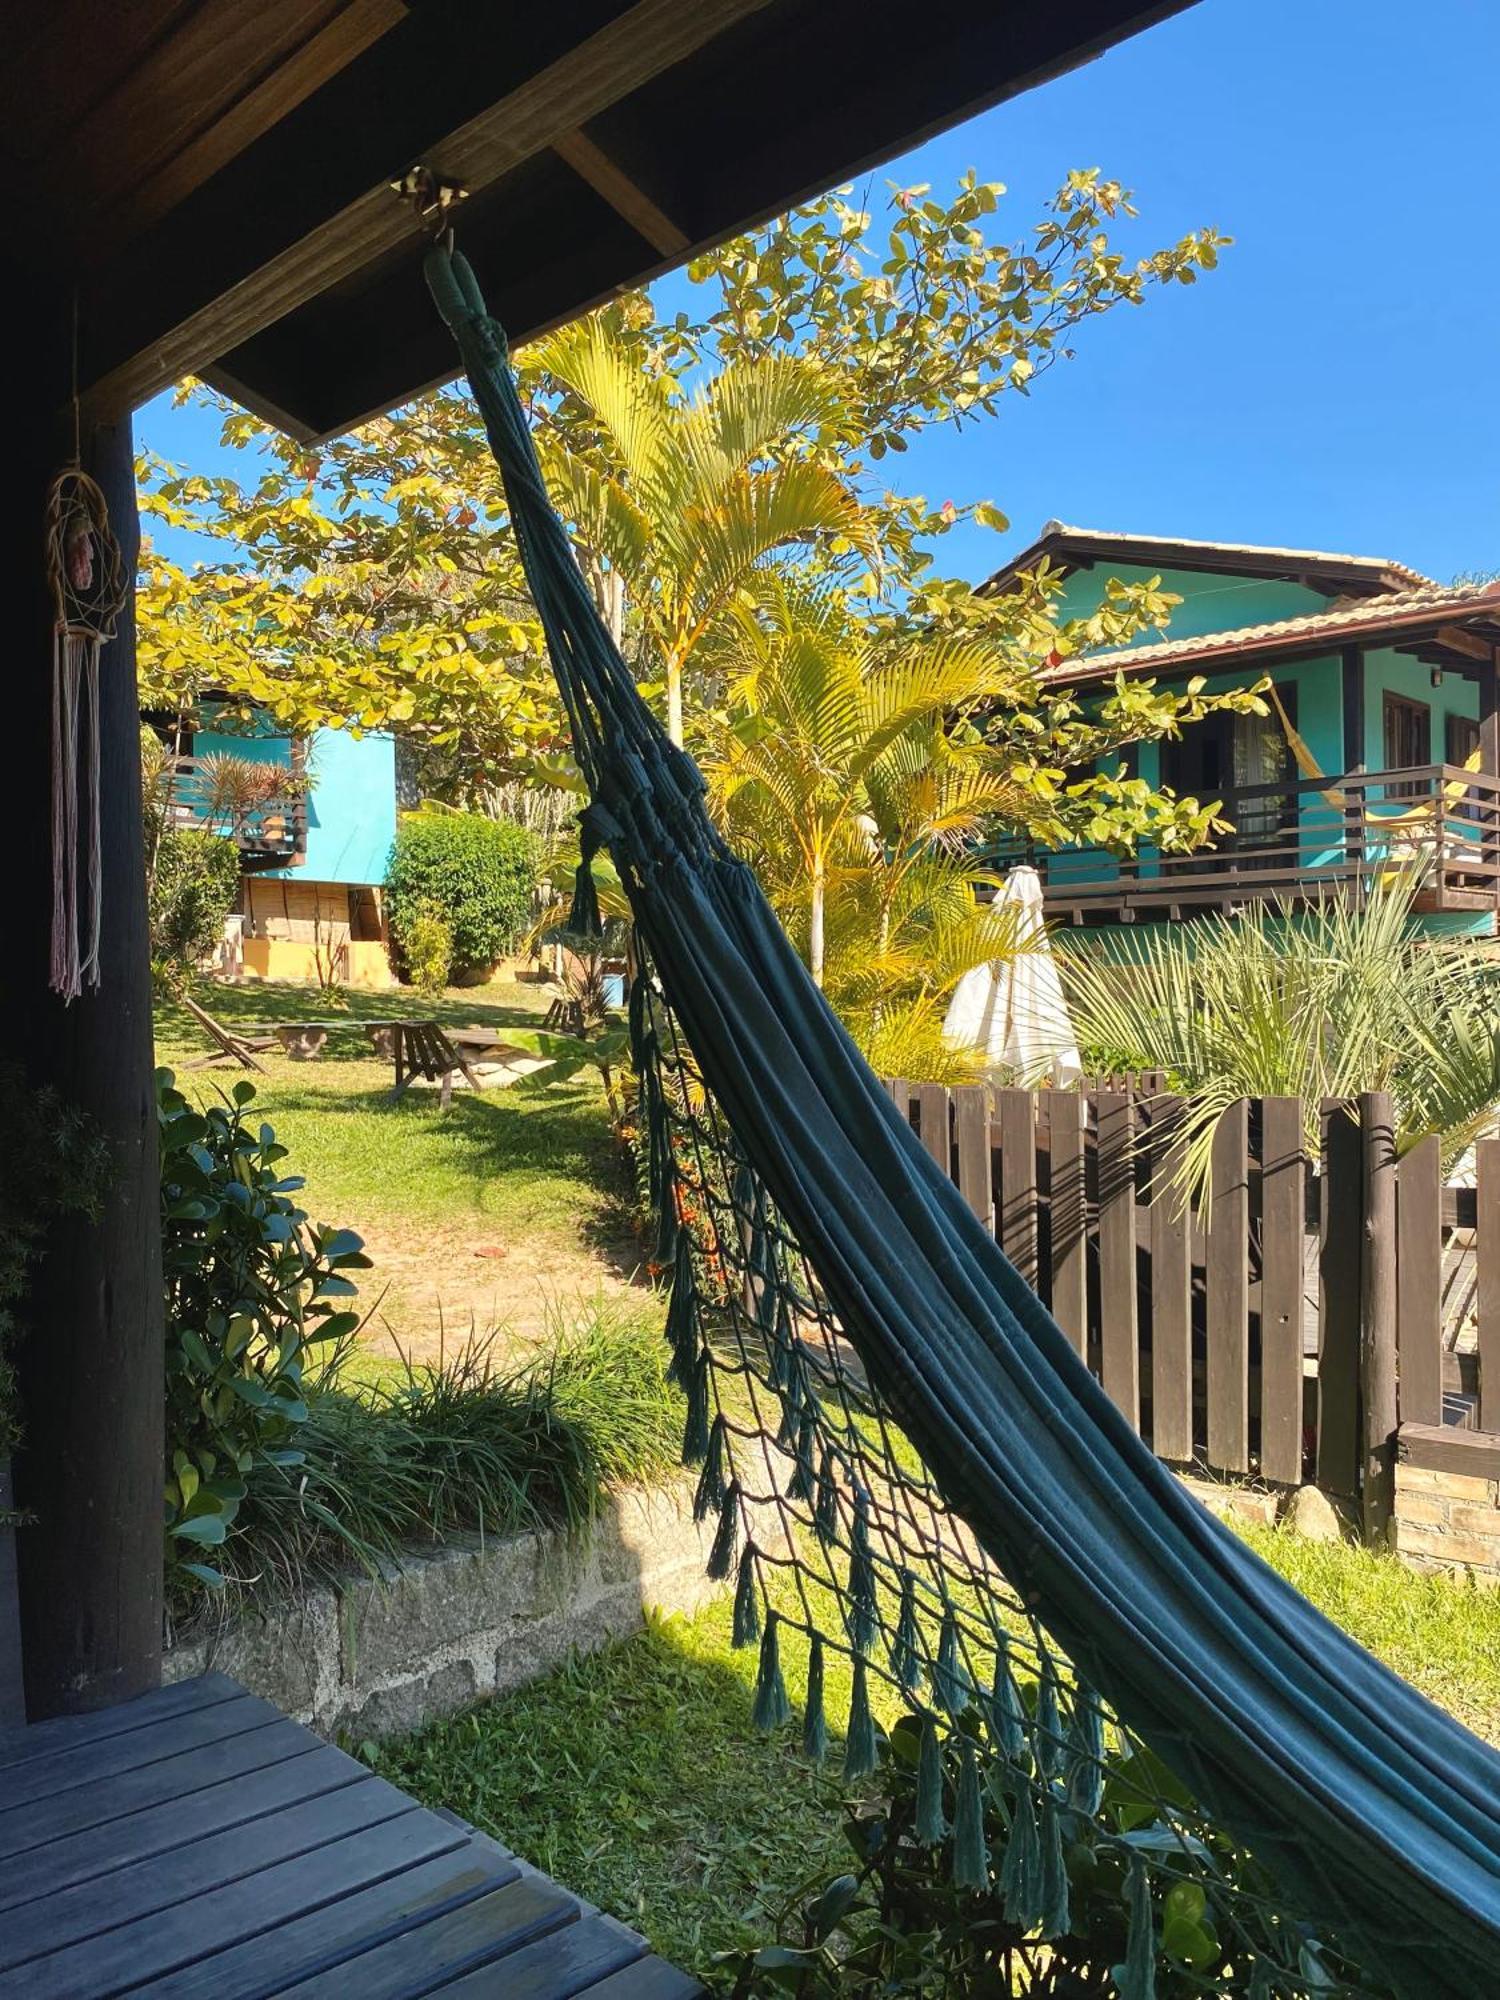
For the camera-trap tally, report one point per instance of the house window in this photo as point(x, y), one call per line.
point(1408, 741)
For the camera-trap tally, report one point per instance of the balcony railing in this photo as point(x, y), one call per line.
point(1295, 842)
point(270, 831)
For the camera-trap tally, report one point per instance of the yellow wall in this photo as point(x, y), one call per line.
point(363, 962)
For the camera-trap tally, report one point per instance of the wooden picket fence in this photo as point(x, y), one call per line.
point(1283, 1329)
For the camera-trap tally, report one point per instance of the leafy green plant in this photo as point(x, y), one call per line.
point(194, 883)
point(465, 1442)
point(478, 873)
point(251, 1287)
point(566, 1055)
point(427, 948)
point(1343, 998)
point(1145, 1911)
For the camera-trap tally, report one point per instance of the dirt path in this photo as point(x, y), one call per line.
point(434, 1288)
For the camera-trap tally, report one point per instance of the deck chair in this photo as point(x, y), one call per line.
point(228, 1046)
point(422, 1049)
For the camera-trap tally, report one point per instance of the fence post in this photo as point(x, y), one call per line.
point(1227, 1282)
point(1339, 1303)
point(1419, 1284)
point(1378, 1318)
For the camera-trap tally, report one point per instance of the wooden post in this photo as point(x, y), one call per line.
point(1377, 1347)
point(971, 1132)
point(1119, 1350)
point(1016, 1216)
point(89, 1471)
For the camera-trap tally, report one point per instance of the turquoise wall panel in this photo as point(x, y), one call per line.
point(351, 808)
point(1211, 601)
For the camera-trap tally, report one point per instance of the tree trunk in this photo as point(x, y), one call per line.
point(815, 923)
point(89, 1469)
point(674, 701)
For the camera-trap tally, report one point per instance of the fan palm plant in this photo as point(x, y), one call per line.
point(678, 501)
point(1345, 998)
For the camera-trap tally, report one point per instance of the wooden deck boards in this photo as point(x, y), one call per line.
point(197, 1843)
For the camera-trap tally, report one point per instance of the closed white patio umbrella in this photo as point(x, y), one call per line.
point(1013, 1010)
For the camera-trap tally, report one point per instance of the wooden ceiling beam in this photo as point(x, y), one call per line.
point(628, 200)
point(648, 38)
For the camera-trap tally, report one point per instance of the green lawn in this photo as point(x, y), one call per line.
point(636, 1777)
point(508, 1204)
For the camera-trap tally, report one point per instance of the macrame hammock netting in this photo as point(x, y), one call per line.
point(915, 1478)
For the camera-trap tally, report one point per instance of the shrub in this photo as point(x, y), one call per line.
point(251, 1286)
point(193, 887)
point(1146, 1910)
point(427, 949)
point(478, 873)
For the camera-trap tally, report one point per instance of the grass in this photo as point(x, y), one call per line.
point(636, 1777)
point(479, 1216)
point(464, 1444)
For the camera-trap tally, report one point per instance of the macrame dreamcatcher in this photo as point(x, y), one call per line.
point(87, 579)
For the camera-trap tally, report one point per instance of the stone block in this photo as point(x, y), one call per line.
point(404, 1706)
point(1471, 1520)
point(1425, 1510)
point(1467, 1551)
point(1313, 1516)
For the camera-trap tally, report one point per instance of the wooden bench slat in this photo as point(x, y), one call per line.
point(137, 1953)
point(62, 1731)
point(269, 1962)
point(648, 1979)
point(79, 1857)
point(475, 1934)
point(179, 1777)
point(156, 1885)
point(88, 1763)
point(554, 1967)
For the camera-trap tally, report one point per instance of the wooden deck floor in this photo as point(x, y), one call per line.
point(196, 1842)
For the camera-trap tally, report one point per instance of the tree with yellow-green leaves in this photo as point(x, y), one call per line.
point(371, 583)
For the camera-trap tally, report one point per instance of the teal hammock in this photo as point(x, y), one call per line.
point(910, 1467)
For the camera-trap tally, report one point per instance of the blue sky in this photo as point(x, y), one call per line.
point(1334, 383)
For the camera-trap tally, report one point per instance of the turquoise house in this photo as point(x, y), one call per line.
point(1381, 748)
point(313, 858)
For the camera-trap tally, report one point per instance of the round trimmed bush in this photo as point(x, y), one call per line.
point(478, 874)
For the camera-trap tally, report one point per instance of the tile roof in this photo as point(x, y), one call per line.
point(1377, 565)
point(1421, 607)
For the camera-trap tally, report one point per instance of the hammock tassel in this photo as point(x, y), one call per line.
point(1136, 1977)
point(771, 1707)
point(1019, 1872)
point(1085, 1789)
point(971, 1860)
point(726, 1541)
point(863, 1618)
point(584, 922)
point(931, 1823)
point(713, 1480)
point(1007, 1715)
point(803, 1483)
point(1049, 1752)
point(814, 1721)
point(859, 1745)
point(746, 1603)
point(682, 1314)
point(950, 1680)
point(826, 1511)
point(695, 1426)
point(1055, 1914)
point(906, 1663)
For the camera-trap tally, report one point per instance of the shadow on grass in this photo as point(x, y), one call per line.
point(634, 1776)
point(257, 1004)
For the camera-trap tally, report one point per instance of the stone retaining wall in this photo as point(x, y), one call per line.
point(372, 1658)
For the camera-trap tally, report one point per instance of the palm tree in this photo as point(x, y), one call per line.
point(1344, 998)
point(844, 770)
point(680, 500)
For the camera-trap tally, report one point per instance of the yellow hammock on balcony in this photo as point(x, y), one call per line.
point(1309, 766)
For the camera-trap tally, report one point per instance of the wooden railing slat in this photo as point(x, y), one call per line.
point(1228, 1289)
point(971, 1132)
point(1338, 1304)
point(1119, 1348)
point(1419, 1283)
point(933, 1124)
point(1068, 1215)
point(1016, 1215)
point(1171, 1286)
point(1487, 1161)
point(1283, 1170)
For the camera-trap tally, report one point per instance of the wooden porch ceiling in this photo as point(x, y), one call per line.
point(215, 179)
